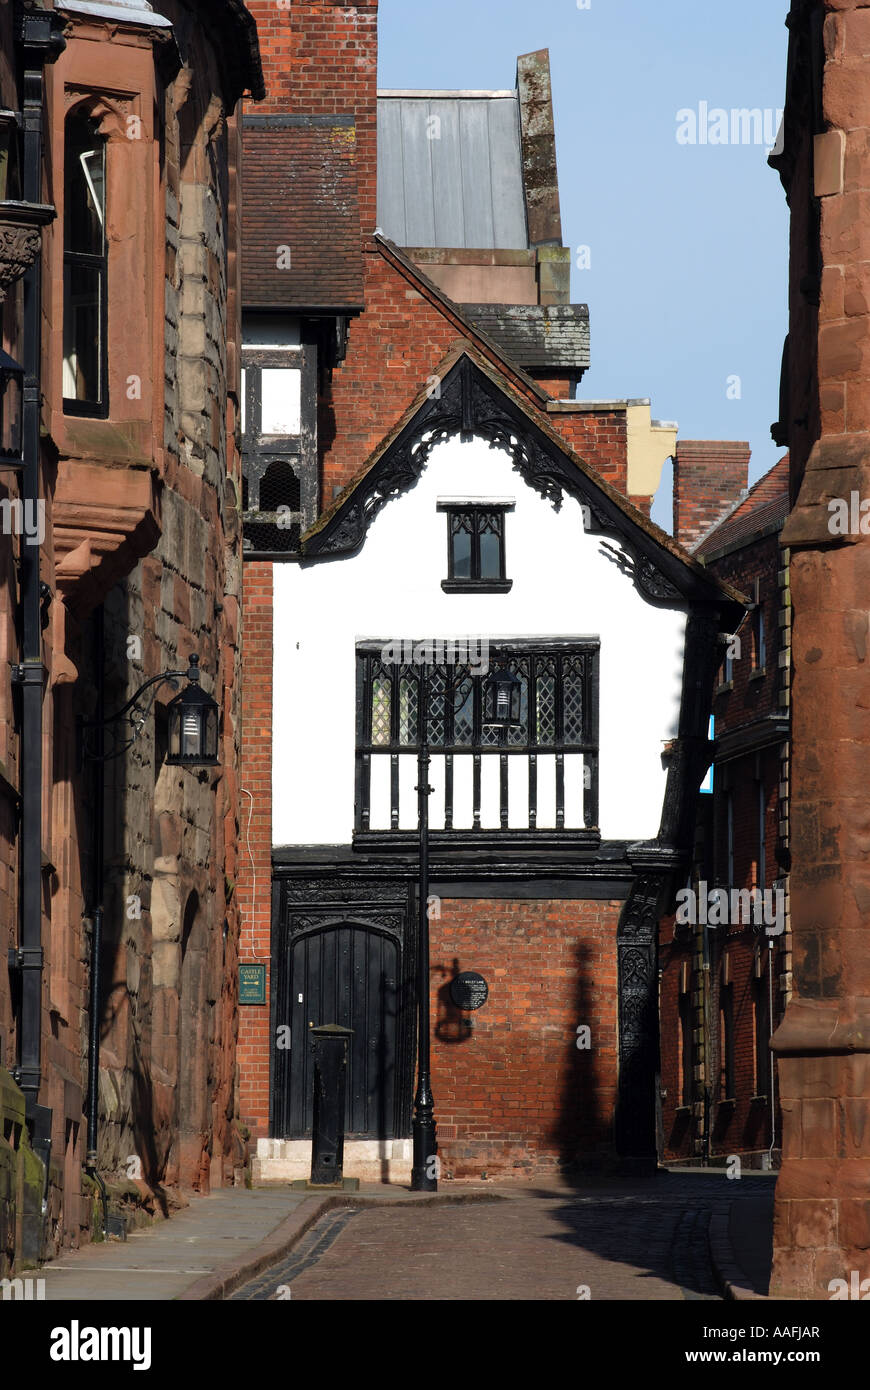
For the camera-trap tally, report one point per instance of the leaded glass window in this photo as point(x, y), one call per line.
point(381, 707)
point(557, 732)
point(476, 546)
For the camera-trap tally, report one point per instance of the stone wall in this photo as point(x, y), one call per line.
point(142, 526)
point(822, 1227)
point(168, 1058)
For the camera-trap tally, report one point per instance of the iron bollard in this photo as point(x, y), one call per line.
point(329, 1045)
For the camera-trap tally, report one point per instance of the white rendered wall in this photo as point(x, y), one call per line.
point(563, 586)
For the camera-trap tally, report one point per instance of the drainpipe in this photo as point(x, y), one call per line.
point(97, 917)
point(772, 1059)
point(706, 986)
point(39, 37)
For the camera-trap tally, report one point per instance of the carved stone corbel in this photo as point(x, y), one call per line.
point(20, 239)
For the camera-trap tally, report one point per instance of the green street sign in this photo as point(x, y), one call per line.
point(252, 984)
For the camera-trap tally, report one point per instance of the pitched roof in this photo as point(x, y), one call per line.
point(346, 519)
point(473, 331)
point(300, 197)
point(764, 508)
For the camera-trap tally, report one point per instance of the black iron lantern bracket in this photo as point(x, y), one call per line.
point(134, 716)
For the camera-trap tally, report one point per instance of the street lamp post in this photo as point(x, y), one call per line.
point(501, 709)
point(424, 1170)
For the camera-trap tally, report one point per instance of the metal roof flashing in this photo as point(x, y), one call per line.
point(445, 95)
point(124, 11)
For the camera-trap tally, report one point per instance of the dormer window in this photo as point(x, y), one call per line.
point(476, 546)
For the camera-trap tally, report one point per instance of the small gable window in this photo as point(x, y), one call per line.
point(476, 547)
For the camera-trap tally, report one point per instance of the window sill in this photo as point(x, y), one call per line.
point(85, 410)
point(724, 687)
point(758, 1100)
point(407, 841)
point(477, 586)
point(758, 674)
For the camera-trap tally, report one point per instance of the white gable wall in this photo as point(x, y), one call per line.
point(563, 586)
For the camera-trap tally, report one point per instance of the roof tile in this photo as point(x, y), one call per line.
point(300, 193)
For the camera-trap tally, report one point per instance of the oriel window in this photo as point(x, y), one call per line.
point(85, 270)
point(476, 547)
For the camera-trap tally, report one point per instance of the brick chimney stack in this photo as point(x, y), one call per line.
point(320, 58)
point(709, 475)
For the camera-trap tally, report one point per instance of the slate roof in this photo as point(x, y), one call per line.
point(765, 506)
point(450, 169)
point(536, 336)
point(300, 191)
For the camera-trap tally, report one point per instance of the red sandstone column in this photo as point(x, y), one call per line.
point(822, 1230)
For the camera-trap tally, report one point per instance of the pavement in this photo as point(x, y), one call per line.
point(680, 1235)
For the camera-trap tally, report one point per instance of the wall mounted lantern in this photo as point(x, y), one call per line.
point(501, 700)
point(193, 724)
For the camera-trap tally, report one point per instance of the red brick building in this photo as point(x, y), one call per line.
point(725, 985)
point(419, 480)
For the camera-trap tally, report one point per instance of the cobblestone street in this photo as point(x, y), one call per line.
point(647, 1241)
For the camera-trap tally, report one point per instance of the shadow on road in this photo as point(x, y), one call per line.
point(661, 1225)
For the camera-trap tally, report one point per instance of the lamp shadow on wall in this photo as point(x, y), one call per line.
point(582, 1131)
point(451, 1023)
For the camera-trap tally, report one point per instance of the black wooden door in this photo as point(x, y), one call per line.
point(347, 974)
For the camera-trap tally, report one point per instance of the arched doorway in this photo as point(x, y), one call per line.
point(346, 973)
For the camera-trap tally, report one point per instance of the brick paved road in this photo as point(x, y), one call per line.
point(646, 1241)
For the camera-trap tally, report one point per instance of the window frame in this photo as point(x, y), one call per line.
point(727, 1068)
point(476, 508)
point(761, 1025)
point(259, 451)
point(759, 636)
point(686, 1050)
point(72, 406)
point(761, 803)
point(369, 655)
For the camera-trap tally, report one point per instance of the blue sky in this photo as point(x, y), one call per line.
point(687, 286)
